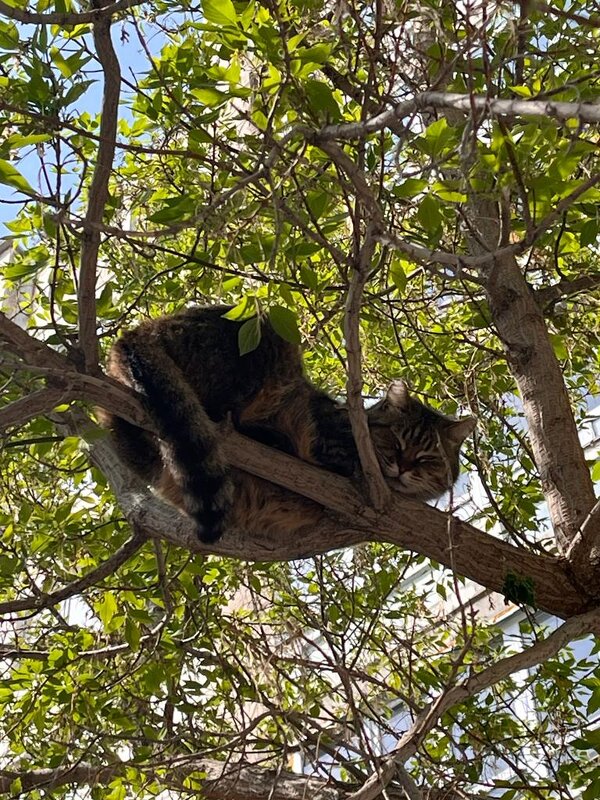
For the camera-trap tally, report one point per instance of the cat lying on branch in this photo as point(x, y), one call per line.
point(189, 370)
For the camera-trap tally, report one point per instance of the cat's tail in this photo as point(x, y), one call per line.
point(189, 444)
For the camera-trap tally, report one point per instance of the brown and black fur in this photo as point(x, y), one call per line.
point(190, 372)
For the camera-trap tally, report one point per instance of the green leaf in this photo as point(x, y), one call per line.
point(19, 271)
point(249, 336)
point(519, 589)
point(592, 791)
point(209, 96)
point(210, 576)
point(317, 203)
point(61, 63)
point(398, 275)
point(321, 99)
point(589, 233)
point(243, 310)
point(12, 177)
point(16, 140)
point(429, 214)
point(174, 210)
point(106, 608)
point(132, 634)
point(318, 54)
point(221, 12)
point(437, 136)
point(9, 36)
point(154, 677)
point(411, 187)
point(594, 702)
point(448, 194)
point(309, 277)
point(285, 323)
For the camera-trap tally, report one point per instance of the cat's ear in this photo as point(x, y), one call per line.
point(460, 429)
point(397, 395)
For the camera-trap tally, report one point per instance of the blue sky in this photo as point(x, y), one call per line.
point(132, 59)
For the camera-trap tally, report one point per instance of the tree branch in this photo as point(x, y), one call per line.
point(98, 195)
point(95, 576)
point(564, 474)
point(536, 654)
point(379, 492)
point(347, 520)
point(548, 295)
point(467, 103)
point(65, 17)
point(217, 780)
point(21, 411)
point(30, 350)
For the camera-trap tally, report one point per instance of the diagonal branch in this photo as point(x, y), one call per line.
point(548, 295)
point(95, 576)
point(346, 521)
point(33, 405)
point(31, 351)
point(538, 653)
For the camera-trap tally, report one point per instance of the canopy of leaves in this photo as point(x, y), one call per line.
point(249, 167)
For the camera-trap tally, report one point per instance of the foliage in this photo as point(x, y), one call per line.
point(222, 190)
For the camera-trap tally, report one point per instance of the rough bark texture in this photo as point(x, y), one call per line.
point(213, 780)
point(564, 475)
point(410, 525)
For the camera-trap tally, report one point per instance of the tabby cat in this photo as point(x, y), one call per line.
point(190, 372)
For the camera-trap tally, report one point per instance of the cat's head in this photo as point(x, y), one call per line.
point(417, 447)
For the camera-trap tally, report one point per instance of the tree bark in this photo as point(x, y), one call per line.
point(216, 780)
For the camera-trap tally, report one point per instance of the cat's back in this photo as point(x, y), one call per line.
point(204, 344)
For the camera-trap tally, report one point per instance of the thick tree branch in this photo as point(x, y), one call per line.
point(216, 780)
point(467, 103)
point(98, 195)
point(548, 295)
point(33, 405)
point(564, 474)
point(31, 351)
point(347, 520)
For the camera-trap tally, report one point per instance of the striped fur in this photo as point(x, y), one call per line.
point(190, 373)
